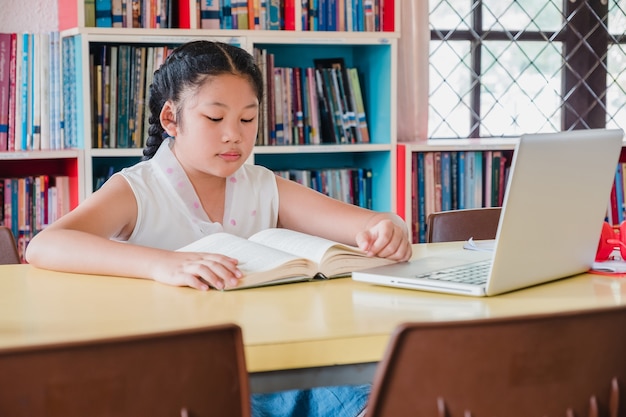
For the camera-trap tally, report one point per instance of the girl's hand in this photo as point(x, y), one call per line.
point(385, 239)
point(198, 270)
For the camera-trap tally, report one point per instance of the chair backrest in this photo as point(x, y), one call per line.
point(8, 247)
point(197, 372)
point(543, 365)
point(458, 225)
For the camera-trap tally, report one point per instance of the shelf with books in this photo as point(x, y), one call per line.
point(372, 60)
point(37, 187)
point(292, 15)
point(440, 175)
point(370, 56)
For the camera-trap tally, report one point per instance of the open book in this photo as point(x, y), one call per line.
point(275, 256)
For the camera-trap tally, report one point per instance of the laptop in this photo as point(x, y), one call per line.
point(555, 202)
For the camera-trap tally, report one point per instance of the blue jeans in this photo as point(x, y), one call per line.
point(339, 401)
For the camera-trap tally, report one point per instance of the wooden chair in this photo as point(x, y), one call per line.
point(460, 225)
point(199, 372)
point(8, 247)
point(566, 364)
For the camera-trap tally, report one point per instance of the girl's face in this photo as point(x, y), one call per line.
point(219, 126)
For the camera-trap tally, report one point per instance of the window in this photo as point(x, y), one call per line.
point(507, 67)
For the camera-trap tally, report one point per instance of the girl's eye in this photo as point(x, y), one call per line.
point(247, 120)
point(215, 119)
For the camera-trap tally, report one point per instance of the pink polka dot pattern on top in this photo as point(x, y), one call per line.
point(233, 180)
point(253, 213)
point(233, 222)
point(170, 170)
point(196, 205)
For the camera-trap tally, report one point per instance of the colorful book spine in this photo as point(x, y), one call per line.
point(274, 15)
point(5, 70)
point(479, 183)
point(117, 14)
point(184, 14)
point(388, 15)
point(25, 112)
point(226, 14)
point(355, 87)
point(45, 90)
point(488, 178)
point(469, 179)
point(461, 170)
point(56, 122)
point(209, 14)
point(104, 13)
point(401, 180)
point(368, 15)
point(12, 120)
point(454, 178)
point(36, 92)
point(313, 15)
point(421, 196)
point(279, 126)
point(289, 9)
point(446, 178)
point(314, 118)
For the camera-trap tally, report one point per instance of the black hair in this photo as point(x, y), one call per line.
point(188, 67)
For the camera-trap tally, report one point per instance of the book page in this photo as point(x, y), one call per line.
point(334, 259)
point(259, 263)
point(299, 244)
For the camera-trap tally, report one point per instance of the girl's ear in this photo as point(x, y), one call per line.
point(168, 119)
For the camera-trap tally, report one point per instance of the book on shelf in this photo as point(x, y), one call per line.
point(273, 14)
point(387, 15)
point(313, 107)
point(5, 69)
point(289, 14)
point(279, 126)
point(297, 15)
point(117, 13)
point(446, 186)
point(361, 118)
point(299, 106)
point(210, 14)
point(325, 111)
point(437, 180)
point(454, 179)
point(112, 122)
point(12, 109)
point(104, 13)
point(421, 198)
point(488, 179)
point(276, 256)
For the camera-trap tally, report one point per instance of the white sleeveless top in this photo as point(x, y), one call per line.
point(169, 212)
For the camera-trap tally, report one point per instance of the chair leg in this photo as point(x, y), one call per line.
point(614, 399)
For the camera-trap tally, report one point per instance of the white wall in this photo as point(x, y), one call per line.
point(28, 16)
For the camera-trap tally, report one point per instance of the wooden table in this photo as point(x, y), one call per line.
point(295, 335)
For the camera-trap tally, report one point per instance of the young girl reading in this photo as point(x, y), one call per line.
point(204, 117)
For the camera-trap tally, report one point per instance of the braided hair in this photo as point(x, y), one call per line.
point(186, 68)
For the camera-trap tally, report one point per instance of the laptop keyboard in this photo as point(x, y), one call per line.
point(474, 273)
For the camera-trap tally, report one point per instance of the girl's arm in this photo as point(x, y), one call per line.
point(81, 242)
point(306, 210)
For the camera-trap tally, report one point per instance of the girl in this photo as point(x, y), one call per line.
point(204, 101)
point(204, 110)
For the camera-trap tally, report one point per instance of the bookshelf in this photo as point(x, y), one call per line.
point(290, 15)
point(373, 54)
point(413, 194)
point(435, 175)
point(41, 176)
